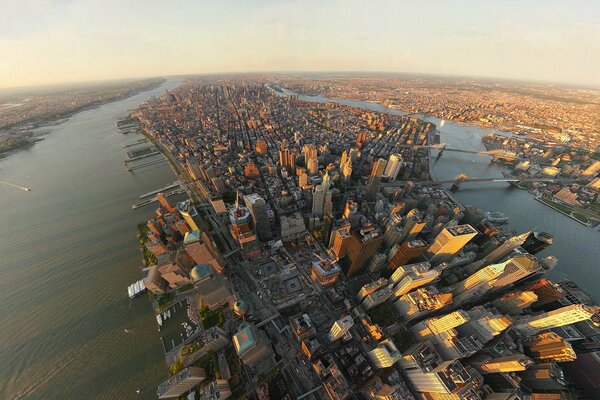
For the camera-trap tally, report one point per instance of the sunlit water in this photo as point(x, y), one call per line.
point(68, 250)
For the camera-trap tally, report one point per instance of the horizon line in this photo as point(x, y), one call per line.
point(90, 82)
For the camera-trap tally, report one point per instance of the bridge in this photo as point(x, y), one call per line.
point(461, 178)
point(497, 154)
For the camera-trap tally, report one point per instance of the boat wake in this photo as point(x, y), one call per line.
point(26, 189)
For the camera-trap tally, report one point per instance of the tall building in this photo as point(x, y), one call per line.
point(449, 243)
point(437, 379)
point(549, 346)
point(412, 227)
point(496, 276)
point(341, 241)
point(165, 203)
point(180, 383)
point(313, 166)
point(392, 168)
point(421, 302)
point(537, 241)
point(514, 303)
point(252, 346)
point(562, 316)
point(242, 231)
point(362, 246)
point(325, 272)
point(546, 292)
point(322, 197)
point(370, 288)
point(258, 209)
point(377, 298)
point(287, 159)
point(415, 279)
point(506, 248)
point(375, 180)
point(216, 390)
point(189, 213)
point(350, 209)
point(447, 322)
point(340, 328)
point(385, 354)
point(310, 152)
point(392, 236)
point(510, 363)
point(406, 252)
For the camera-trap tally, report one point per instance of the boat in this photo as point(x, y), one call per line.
point(159, 319)
point(496, 218)
point(136, 288)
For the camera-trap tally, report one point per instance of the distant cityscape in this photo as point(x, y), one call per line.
point(25, 110)
point(310, 254)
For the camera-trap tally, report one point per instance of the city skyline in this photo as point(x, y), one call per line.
point(55, 42)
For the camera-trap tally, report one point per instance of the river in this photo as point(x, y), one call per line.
point(68, 251)
point(577, 247)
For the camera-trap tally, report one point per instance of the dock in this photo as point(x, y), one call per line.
point(163, 189)
point(144, 140)
point(154, 199)
point(145, 164)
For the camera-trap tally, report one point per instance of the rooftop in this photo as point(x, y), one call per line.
point(460, 230)
point(244, 338)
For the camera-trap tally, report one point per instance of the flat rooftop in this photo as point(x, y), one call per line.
point(460, 230)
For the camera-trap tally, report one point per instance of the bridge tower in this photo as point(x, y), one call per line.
point(460, 178)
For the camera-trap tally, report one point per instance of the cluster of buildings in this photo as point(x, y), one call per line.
point(543, 112)
point(339, 285)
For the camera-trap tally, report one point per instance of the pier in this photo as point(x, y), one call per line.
point(162, 159)
point(164, 189)
point(144, 140)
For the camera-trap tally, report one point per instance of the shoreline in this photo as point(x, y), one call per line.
point(31, 135)
point(541, 200)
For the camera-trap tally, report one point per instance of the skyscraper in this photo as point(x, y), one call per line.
point(385, 354)
point(420, 302)
point(340, 328)
point(555, 318)
point(252, 346)
point(496, 276)
point(375, 180)
point(313, 166)
point(393, 166)
point(448, 321)
point(505, 248)
point(412, 227)
point(258, 210)
point(180, 383)
point(549, 346)
point(449, 243)
point(510, 363)
point(515, 302)
point(363, 244)
point(406, 252)
point(242, 232)
point(322, 197)
point(165, 203)
point(189, 213)
point(537, 241)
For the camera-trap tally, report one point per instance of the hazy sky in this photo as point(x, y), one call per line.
point(52, 41)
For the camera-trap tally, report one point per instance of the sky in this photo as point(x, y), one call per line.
point(57, 41)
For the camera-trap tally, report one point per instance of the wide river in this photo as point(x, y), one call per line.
point(576, 246)
point(68, 250)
